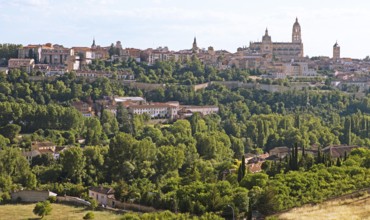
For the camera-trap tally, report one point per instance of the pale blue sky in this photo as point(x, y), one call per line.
point(173, 23)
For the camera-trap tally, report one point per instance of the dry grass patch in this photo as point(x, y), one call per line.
point(346, 209)
point(59, 212)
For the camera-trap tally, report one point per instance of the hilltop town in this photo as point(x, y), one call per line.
point(200, 133)
point(272, 60)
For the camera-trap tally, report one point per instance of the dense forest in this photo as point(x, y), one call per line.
point(179, 165)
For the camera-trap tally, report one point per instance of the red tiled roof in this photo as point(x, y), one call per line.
point(102, 190)
point(255, 167)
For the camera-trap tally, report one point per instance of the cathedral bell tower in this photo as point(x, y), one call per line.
point(296, 34)
point(336, 52)
point(267, 43)
point(195, 48)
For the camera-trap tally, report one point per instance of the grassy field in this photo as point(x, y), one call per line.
point(59, 212)
point(346, 209)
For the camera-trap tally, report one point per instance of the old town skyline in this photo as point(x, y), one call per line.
point(150, 24)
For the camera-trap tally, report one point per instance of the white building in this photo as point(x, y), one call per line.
point(129, 99)
point(101, 194)
point(156, 110)
point(189, 110)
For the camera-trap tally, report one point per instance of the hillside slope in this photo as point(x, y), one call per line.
point(341, 208)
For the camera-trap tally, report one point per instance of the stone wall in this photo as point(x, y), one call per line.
point(30, 196)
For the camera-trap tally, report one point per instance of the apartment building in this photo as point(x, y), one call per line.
point(24, 64)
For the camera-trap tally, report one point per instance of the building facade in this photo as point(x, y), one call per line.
point(156, 110)
point(101, 194)
point(284, 51)
point(23, 64)
point(31, 195)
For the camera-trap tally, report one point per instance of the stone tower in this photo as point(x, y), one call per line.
point(195, 48)
point(267, 43)
point(336, 51)
point(296, 34)
point(93, 46)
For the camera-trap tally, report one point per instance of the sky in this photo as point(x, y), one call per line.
point(223, 24)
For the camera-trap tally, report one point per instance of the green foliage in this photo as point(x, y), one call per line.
point(254, 179)
point(93, 204)
point(93, 131)
point(130, 216)
point(52, 199)
point(89, 215)
point(10, 131)
point(14, 168)
point(8, 51)
point(42, 209)
point(73, 162)
point(188, 165)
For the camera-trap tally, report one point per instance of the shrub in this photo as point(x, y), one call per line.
point(42, 208)
point(93, 203)
point(89, 215)
point(52, 199)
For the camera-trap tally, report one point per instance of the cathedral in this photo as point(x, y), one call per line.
point(282, 51)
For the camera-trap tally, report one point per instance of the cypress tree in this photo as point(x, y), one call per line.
point(339, 163)
point(297, 121)
point(347, 131)
point(244, 167)
point(318, 159)
point(295, 160)
point(290, 163)
point(240, 177)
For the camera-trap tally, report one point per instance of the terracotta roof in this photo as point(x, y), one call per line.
point(249, 155)
point(46, 151)
point(36, 144)
point(255, 167)
point(264, 156)
point(102, 190)
point(280, 150)
point(153, 105)
point(60, 149)
point(339, 151)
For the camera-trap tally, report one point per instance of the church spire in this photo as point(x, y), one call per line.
point(195, 46)
point(296, 33)
point(93, 44)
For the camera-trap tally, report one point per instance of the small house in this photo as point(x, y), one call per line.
point(101, 194)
